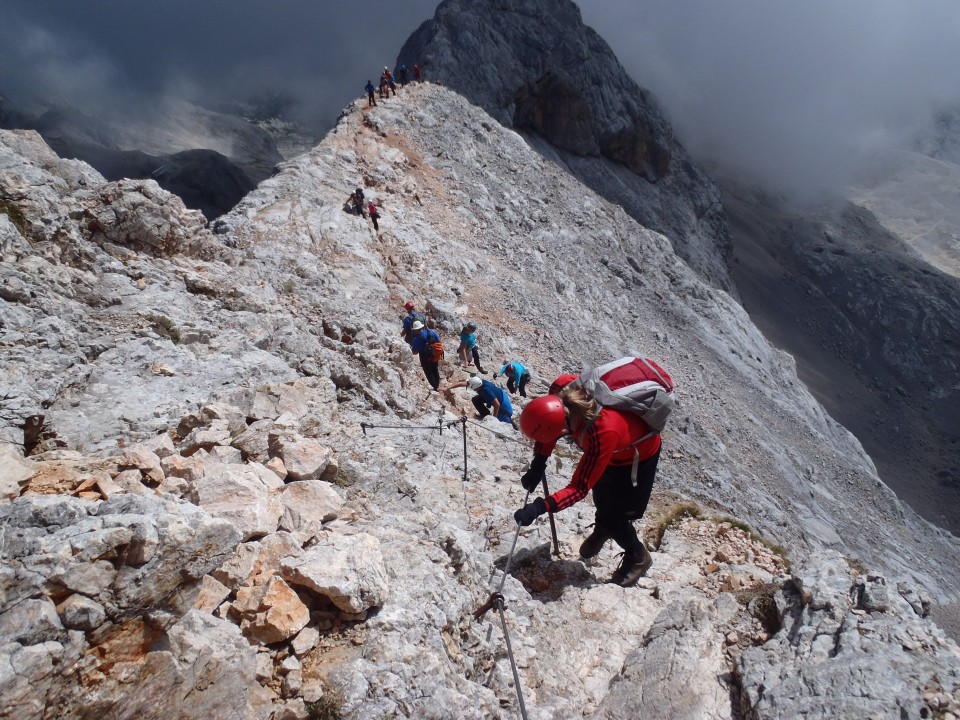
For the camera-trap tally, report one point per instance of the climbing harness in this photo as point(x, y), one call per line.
point(496, 600)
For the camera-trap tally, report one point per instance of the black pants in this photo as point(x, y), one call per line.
point(513, 387)
point(476, 358)
point(431, 370)
point(619, 503)
point(482, 409)
point(375, 217)
point(370, 99)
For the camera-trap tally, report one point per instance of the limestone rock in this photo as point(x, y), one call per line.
point(347, 569)
point(14, 471)
point(238, 494)
point(270, 613)
point(306, 506)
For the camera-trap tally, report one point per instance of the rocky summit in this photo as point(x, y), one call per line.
point(534, 66)
point(229, 492)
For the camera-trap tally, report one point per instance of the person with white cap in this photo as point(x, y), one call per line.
point(489, 400)
point(426, 343)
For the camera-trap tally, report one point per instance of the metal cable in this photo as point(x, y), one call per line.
point(513, 663)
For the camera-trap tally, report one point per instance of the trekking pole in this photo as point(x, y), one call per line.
point(553, 524)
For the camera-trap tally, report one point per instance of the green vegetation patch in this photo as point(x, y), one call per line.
point(165, 327)
point(329, 707)
point(673, 517)
point(777, 550)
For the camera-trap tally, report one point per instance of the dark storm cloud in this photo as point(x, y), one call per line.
point(90, 53)
point(795, 93)
point(792, 92)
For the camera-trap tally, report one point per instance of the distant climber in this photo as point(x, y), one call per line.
point(426, 343)
point(416, 73)
point(356, 202)
point(371, 100)
point(388, 77)
point(517, 377)
point(402, 75)
point(468, 347)
point(383, 87)
point(617, 446)
point(374, 215)
point(489, 400)
point(412, 316)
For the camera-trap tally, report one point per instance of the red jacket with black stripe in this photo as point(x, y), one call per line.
point(608, 440)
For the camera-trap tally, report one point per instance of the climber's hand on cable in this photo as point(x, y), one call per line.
point(535, 475)
point(530, 512)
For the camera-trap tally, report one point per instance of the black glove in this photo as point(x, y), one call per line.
point(530, 512)
point(534, 476)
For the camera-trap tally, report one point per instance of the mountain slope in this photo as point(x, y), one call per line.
point(251, 365)
point(534, 66)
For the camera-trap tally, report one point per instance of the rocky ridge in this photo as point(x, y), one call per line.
point(534, 66)
point(235, 369)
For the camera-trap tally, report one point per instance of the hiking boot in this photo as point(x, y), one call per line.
point(633, 567)
point(594, 542)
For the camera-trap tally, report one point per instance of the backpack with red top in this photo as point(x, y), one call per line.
point(637, 385)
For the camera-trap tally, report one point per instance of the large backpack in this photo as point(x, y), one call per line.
point(637, 385)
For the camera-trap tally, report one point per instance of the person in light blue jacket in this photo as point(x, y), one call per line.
point(468, 347)
point(517, 377)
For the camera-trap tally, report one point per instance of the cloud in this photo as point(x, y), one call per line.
point(795, 94)
point(321, 53)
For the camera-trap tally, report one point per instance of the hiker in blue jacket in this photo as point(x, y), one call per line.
point(412, 316)
point(489, 400)
point(370, 99)
point(426, 343)
point(517, 377)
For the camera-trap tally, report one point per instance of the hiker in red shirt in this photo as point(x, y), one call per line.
point(612, 458)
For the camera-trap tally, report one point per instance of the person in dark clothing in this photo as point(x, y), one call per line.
point(613, 442)
point(374, 215)
point(427, 344)
point(370, 99)
point(402, 75)
point(356, 201)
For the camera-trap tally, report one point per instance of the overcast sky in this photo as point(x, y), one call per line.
point(790, 91)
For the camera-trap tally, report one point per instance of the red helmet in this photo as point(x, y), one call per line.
point(561, 382)
point(544, 419)
point(408, 305)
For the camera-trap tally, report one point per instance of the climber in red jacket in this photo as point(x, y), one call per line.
point(609, 439)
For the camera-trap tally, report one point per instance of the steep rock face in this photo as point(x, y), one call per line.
point(876, 334)
point(275, 342)
point(534, 66)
